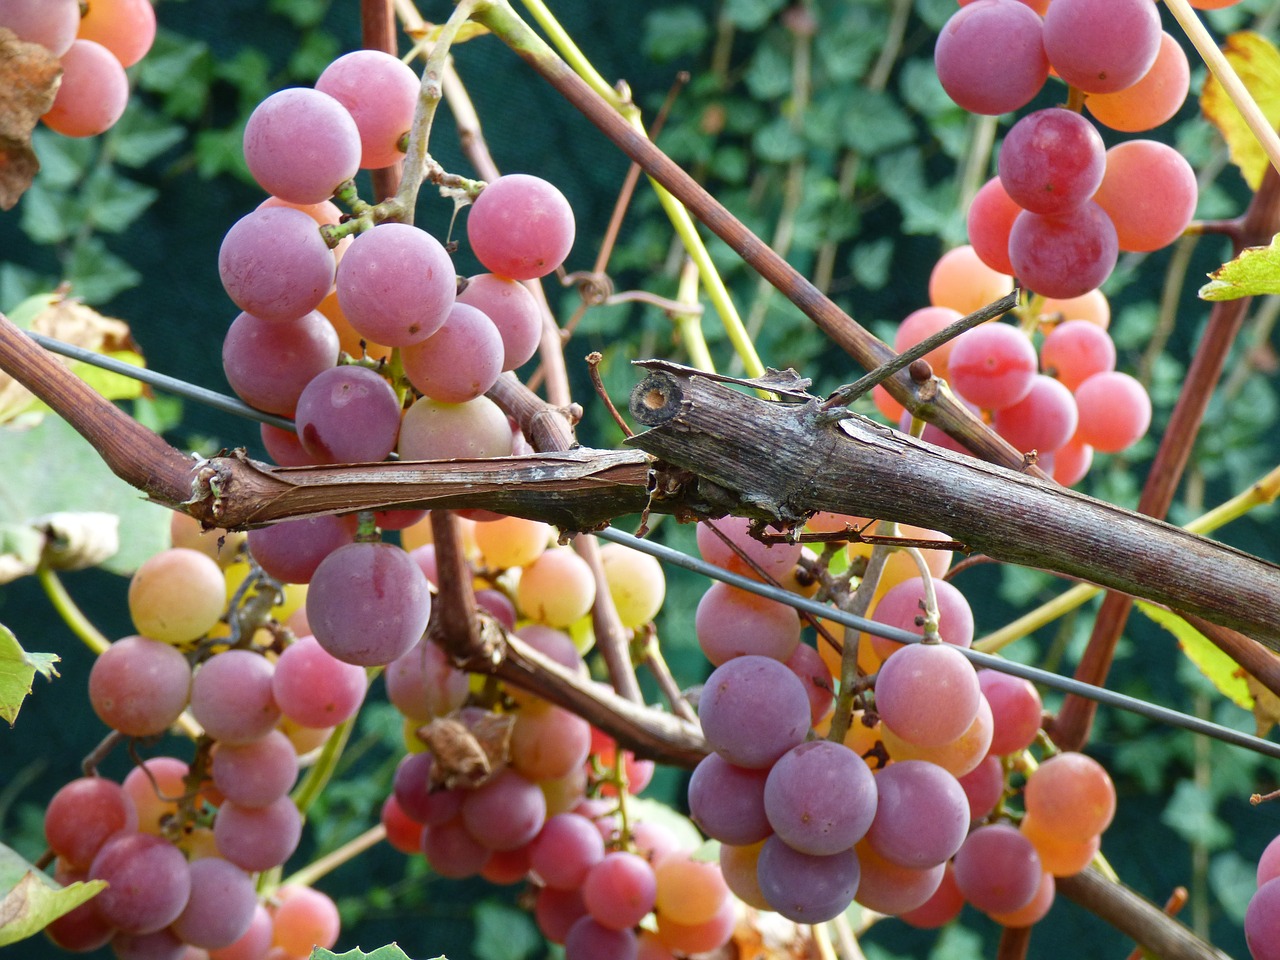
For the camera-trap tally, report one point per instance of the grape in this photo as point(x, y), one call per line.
point(636, 583)
point(255, 942)
point(1151, 100)
point(139, 686)
point(177, 595)
point(983, 786)
point(1064, 255)
point(776, 559)
point(451, 431)
point(902, 606)
point(458, 362)
point(620, 890)
point(928, 693)
point(352, 343)
point(690, 891)
point(1044, 420)
point(990, 218)
point(257, 838)
point(557, 588)
point(452, 851)
point(423, 684)
point(414, 792)
point(941, 908)
point(268, 363)
point(511, 542)
point(566, 848)
point(1051, 161)
point(1015, 710)
point(396, 284)
point(1072, 462)
point(556, 911)
point(888, 887)
point(507, 867)
point(300, 144)
point(738, 866)
point(368, 603)
point(957, 756)
point(403, 832)
point(348, 414)
point(1091, 306)
point(50, 23)
point(155, 787)
point(727, 802)
point(1268, 863)
point(961, 281)
point(807, 664)
point(93, 92)
point(1262, 922)
point(380, 93)
point(1075, 350)
point(922, 324)
point(83, 815)
point(997, 869)
point(820, 797)
point(1073, 793)
point(990, 58)
point(922, 816)
point(589, 940)
point(804, 888)
point(82, 929)
point(148, 882)
point(157, 945)
point(1149, 192)
point(305, 919)
point(290, 551)
point(686, 938)
point(730, 623)
point(125, 27)
point(1060, 856)
point(550, 743)
point(275, 265)
point(313, 688)
point(1034, 911)
point(256, 773)
point(753, 710)
point(1115, 411)
point(221, 906)
point(505, 812)
point(520, 227)
point(232, 698)
point(513, 310)
point(1102, 46)
point(993, 365)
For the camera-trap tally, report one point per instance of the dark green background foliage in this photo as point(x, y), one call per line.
point(837, 146)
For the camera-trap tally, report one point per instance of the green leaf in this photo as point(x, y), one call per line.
point(97, 274)
point(301, 13)
point(17, 670)
point(1256, 271)
point(874, 122)
point(503, 932)
point(1233, 881)
point(141, 136)
point(31, 901)
point(1223, 672)
point(390, 952)
point(113, 202)
point(1190, 814)
point(51, 468)
point(751, 14)
point(674, 32)
point(180, 70)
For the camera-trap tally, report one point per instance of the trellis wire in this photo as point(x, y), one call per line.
point(673, 557)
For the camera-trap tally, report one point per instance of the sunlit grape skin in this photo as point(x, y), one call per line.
point(989, 56)
point(300, 144)
point(520, 227)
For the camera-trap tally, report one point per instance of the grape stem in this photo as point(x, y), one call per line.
point(857, 605)
point(320, 867)
point(931, 614)
point(70, 611)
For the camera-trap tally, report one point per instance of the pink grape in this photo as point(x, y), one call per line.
point(928, 693)
point(1153, 99)
point(820, 797)
point(902, 606)
point(888, 887)
point(753, 710)
point(922, 324)
point(730, 623)
point(154, 787)
point(231, 696)
point(990, 58)
point(620, 890)
point(423, 684)
point(148, 882)
point(1065, 255)
point(1072, 462)
point(1102, 46)
point(221, 906)
point(432, 430)
point(348, 414)
point(556, 911)
point(513, 310)
point(253, 944)
point(256, 773)
point(380, 93)
point(396, 284)
point(368, 603)
point(589, 940)
point(452, 851)
point(738, 866)
point(1072, 795)
point(315, 689)
point(139, 686)
point(805, 888)
point(922, 816)
point(565, 850)
point(275, 265)
point(1052, 160)
point(1075, 350)
point(505, 812)
point(549, 744)
point(1015, 711)
point(776, 559)
point(727, 802)
point(268, 363)
point(291, 551)
point(990, 219)
point(992, 365)
point(1044, 420)
point(997, 869)
point(941, 908)
point(458, 362)
point(1115, 411)
point(520, 227)
point(93, 92)
point(83, 815)
point(257, 838)
point(50, 23)
point(300, 144)
point(305, 919)
point(1149, 192)
point(1268, 862)
point(403, 832)
point(1262, 922)
point(417, 796)
point(807, 664)
point(983, 786)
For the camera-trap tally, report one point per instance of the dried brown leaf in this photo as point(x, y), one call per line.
point(29, 78)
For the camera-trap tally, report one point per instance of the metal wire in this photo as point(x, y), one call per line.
point(697, 565)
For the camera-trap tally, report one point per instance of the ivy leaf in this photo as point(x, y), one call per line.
point(751, 14)
point(1257, 61)
point(1256, 271)
point(1189, 813)
point(31, 901)
point(1223, 672)
point(17, 670)
point(390, 952)
point(674, 32)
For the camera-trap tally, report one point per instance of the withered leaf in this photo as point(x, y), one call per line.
point(29, 78)
point(468, 753)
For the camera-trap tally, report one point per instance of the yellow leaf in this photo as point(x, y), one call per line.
point(1223, 672)
point(1255, 272)
point(1257, 61)
point(1266, 705)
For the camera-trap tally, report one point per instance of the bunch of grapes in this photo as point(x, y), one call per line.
point(93, 49)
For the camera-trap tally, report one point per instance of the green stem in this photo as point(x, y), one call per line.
point(70, 612)
point(308, 875)
point(322, 771)
point(572, 55)
point(689, 324)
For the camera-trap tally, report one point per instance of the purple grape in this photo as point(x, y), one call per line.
point(753, 710)
point(727, 802)
point(504, 813)
point(820, 797)
point(275, 265)
point(804, 888)
point(300, 144)
point(396, 284)
point(231, 696)
point(221, 906)
point(148, 882)
point(257, 838)
point(990, 56)
point(348, 414)
point(291, 551)
point(997, 869)
point(257, 773)
point(923, 815)
point(458, 362)
point(269, 363)
point(1262, 922)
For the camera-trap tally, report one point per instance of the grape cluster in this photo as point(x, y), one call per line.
point(93, 49)
point(1062, 205)
point(911, 814)
point(1262, 915)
